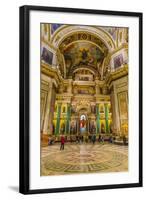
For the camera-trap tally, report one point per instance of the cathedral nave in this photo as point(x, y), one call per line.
point(84, 93)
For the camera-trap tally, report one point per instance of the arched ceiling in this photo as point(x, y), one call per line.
point(81, 36)
point(83, 46)
point(109, 31)
point(94, 32)
point(82, 49)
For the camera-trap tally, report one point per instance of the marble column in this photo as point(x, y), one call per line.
point(51, 114)
point(97, 119)
point(48, 109)
point(88, 125)
point(58, 119)
point(43, 105)
point(106, 118)
point(77, 125)
point(67, 128)
point(115, 112)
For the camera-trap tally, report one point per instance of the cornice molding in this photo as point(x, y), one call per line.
point(119, 73)
point(51, 72)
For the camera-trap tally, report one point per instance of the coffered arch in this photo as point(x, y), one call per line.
point(98, 33)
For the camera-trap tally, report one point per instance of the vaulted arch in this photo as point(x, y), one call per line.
point(68, 30)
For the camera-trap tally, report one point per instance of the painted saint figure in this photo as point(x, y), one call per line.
point(82, 122)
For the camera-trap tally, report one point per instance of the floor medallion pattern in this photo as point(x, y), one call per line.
point(83, 158)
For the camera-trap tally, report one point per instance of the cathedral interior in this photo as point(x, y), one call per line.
point(84, 89)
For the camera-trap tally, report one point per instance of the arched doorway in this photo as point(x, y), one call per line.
point(83, 124)
point(83, 119)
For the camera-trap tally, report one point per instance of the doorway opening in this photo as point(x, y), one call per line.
point(83, 124)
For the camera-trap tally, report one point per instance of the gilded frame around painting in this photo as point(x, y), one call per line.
point(25, 147)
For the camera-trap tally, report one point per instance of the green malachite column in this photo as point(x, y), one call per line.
point(58, 119)
point(97, 119)
point(106, 118)
point(68, 118)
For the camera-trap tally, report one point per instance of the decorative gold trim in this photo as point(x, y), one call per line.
point(119, 73)
point(100, 28)
point(107, 33)
point(58, 30)
point(88, 41)
point(49, 44)
point(123, 46)
point(51, 72)
point(83, 32)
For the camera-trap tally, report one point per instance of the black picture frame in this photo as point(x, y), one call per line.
point(24, 148)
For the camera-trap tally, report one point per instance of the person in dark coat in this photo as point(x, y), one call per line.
point(50, 141)
point(62, 142)
point(93, 138)
point(124, 139)
point(77, 139)
point(99, 138)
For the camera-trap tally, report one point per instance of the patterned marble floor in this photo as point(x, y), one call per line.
point(83, 158)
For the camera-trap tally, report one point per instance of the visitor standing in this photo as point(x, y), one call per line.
point(124, 139)
point(99, 138)
point(93, 138)
point(62, 142)
point(77, 139)
point(102, 139)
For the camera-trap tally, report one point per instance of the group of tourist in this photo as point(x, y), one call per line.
point(86, 138)
point(81, 139)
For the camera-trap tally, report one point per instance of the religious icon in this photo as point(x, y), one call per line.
point(82, 121)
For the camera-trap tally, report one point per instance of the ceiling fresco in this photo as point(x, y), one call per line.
point(81, 54)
